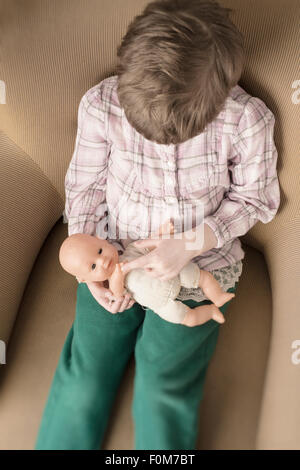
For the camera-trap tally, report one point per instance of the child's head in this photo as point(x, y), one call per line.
point(176, 65)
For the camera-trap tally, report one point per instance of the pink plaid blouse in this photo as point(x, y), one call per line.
point(119, 185)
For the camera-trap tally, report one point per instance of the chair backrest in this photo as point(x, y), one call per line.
point(270, 29)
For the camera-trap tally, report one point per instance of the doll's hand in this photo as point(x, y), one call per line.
point(106, 299)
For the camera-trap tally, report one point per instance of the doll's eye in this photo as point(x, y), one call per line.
point(93, 266)
point(100, 251)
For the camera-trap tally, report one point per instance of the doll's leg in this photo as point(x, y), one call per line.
point(171, 361)
point(175, 311)
point(91, 364)
point(201, 314)
point(212, 289)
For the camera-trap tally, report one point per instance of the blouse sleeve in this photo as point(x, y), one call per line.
point(254, 193)
point(85, 181)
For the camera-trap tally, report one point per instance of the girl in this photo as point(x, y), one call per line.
point(172, 129)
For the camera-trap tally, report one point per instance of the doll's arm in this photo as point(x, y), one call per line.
point(116, 281)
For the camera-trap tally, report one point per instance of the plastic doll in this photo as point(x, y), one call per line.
point(93, 259)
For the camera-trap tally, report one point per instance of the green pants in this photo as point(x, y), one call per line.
point(170, 366)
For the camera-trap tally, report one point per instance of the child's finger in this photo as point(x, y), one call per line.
point(116, 305)
point(124, 304)
point(126, 301)
point(131, 304)
point(109, 295)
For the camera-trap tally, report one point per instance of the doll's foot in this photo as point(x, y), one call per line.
point(223, 298)
point(199, 315)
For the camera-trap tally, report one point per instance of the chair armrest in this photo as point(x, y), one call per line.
point(280, 412)
point(29, 208)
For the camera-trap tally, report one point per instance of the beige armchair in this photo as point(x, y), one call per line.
point(51, 52)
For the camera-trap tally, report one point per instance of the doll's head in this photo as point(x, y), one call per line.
point(88, 257)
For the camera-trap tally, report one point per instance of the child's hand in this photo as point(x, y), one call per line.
point(165, 261)
point(105, 298)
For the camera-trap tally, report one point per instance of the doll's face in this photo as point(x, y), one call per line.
point(89, 258)
point(98, 261)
